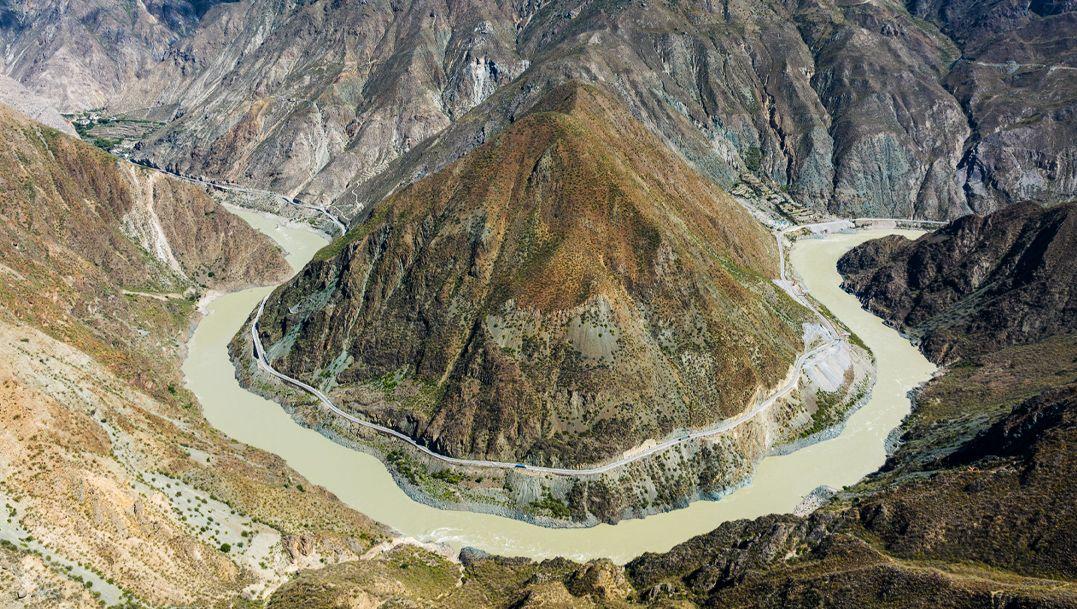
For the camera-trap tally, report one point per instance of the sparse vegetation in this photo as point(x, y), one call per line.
point(549, 505)
point(448, 476)
point(547, 316)
point(753, 159)
point(103, 370)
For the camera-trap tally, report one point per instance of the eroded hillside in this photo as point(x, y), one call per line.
point(982, 283)
point(114, 485)
point(916, 109)
point(110, 257)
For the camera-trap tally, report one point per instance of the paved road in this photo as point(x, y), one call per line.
point(833, 340)
point(721, 426)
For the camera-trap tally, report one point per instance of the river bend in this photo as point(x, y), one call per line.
point(362, 482)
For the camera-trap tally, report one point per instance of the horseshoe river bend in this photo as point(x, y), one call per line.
point(360, 480)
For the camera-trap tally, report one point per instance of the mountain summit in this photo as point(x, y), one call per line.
point(567, 291)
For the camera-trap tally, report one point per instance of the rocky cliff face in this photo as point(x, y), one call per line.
point(766, 88)
point(1017, 82)
point(309, 98)
point(81, 55)
point(977, 285)
point(864, 108)
point(562, 293)
point(790, 94)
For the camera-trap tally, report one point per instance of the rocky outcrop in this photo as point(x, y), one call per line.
point(1017, 82)
point(375, 80)
point(725, 556)
point(82, 54)
point(976, 285)
point(1017, 434)
point(563, 293)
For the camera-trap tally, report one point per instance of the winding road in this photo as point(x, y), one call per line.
point(833, 341)
point(720, 427)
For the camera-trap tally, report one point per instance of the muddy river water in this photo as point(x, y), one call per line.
point(361, 481)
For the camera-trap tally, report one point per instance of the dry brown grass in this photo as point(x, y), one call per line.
point(574, 208)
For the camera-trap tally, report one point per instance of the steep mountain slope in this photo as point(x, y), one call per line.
point(973, 509)
point(1017, 81)
point(860, 107)
point(301, 96)
point(90, 270)
point(21, 99)
point(107, 468)
point(796, 95)
point(563, 293)
point(793, 94)
point(982, 283)
point(82, 54)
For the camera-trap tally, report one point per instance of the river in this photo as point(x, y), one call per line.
point(361, 481)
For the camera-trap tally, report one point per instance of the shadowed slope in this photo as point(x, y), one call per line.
point(981, 283)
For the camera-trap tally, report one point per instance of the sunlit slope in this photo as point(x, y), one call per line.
point(566, 291)
point(106, 462)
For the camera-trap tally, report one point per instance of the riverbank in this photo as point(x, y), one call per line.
point(360, 480)
point(699, 465)
point(821, 388)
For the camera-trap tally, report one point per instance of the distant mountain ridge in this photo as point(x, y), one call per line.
point(866, 108)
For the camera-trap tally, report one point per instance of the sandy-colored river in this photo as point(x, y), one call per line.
point(362, 482)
